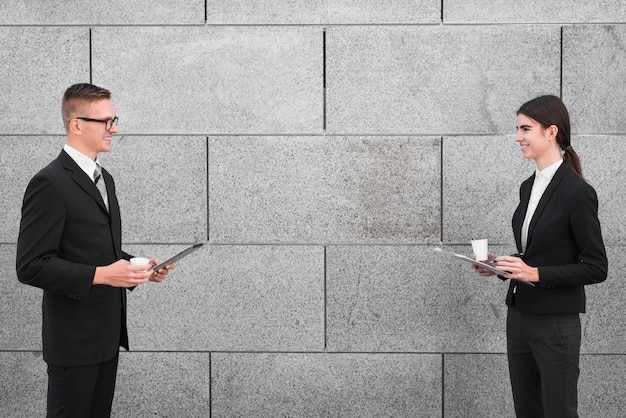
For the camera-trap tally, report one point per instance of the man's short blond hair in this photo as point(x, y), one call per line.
point(77, 96)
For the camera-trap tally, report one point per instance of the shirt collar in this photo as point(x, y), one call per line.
point(85, 163)
point(548, 172)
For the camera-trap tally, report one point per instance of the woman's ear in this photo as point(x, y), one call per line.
point(553, 130)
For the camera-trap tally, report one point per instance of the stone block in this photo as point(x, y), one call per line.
point(20, 159)
point(603, 326)
point(410, 298)
point(484, 203)
point(436, 80)
point(163, 384)
point(20, 307)
point(324, 189)
point(302, 12)
point(535, 11)
point(602, 160)
point(23, 384)
point(161, 185)
point(38, 65)
point(212, 79)
point(113, 12)
point(477, 385)
point(594, 77)
point(601, 386)
point(481, 179)
point(329, 385)
point(162, 191)
point(232, 298)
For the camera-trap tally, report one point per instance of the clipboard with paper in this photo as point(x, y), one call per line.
point(472, 261)
point(476, 262)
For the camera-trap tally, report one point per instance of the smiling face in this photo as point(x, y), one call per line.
point(89, 137)
point(537, 142)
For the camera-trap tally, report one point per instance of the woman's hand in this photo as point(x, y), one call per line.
point(518, 269)
point(481, 270)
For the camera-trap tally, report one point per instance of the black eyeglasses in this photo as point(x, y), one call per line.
point(108, 123)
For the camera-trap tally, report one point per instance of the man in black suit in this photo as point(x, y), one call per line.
point(69, 245)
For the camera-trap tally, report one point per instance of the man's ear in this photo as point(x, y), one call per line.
point(73, 126)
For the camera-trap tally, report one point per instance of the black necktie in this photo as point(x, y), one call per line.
point(100, 185)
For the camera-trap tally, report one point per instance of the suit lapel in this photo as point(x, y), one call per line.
point(545, 199)
point(520, 213)
point(82, 179)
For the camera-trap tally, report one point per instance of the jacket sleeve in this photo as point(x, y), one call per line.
point(41, 229)
point(591, 265)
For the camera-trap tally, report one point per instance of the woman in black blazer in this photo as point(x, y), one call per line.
point(558, 237)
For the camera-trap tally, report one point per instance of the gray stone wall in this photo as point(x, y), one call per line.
point(322, 148)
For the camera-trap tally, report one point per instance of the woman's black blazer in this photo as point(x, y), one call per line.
point(564, 242)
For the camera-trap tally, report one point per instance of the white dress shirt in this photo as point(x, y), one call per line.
point(542, 179)
point(85, 163)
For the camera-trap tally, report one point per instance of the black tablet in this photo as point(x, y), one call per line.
point(177, 257)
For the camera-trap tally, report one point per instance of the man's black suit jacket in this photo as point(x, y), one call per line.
point(65, 232)
point(564, 242)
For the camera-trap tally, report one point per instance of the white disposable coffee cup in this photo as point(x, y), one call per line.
point(480, 248)
point(139, 261)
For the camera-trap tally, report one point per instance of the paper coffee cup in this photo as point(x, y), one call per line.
point(480, 248)
point(139, 261)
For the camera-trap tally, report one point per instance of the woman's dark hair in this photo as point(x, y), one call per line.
point(549, 110)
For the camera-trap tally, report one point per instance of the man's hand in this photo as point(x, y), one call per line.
point(159, 276)
point(122, 274)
